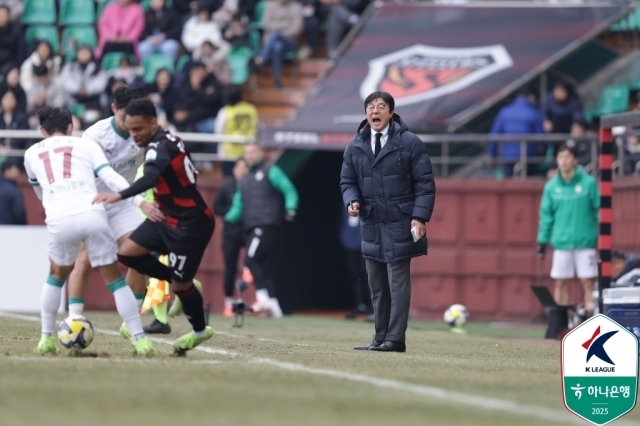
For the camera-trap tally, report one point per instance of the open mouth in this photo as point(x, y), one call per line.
point(376, 120)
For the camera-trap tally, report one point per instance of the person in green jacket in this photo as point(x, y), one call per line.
point(258, 202)
point(569, 221)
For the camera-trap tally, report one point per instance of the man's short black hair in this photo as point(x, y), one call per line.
point(234, 95)
point(569, 146)
point(143, 107)
point(40, 70)
point(54, 120)
point(124, 94)
point(7, 164)
point(386, 97)
point(618, 255)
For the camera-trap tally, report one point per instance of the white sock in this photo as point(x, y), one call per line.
point(127, 307)
point(50, 303)
point(228, 302)
point(199, 333)
point(262, 295)
point(76, 309)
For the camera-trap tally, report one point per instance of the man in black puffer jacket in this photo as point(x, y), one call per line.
point(387, 180)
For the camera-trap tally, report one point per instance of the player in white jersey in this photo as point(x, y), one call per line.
point(62, 170)
point(125, 157)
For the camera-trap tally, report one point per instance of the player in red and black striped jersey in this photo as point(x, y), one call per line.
point(188, 222)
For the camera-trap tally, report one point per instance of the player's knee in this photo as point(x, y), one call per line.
point(126, 260)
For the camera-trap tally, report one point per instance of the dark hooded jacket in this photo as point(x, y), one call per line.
point(392, 189)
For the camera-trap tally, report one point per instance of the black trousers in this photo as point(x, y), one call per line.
point(357, 268)
point(232, 241)
point(260, 243)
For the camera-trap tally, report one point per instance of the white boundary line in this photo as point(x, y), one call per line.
point(487, 403)
point(166, 362)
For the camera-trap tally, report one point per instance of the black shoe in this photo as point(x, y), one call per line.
point(374, 344)
point(156, 327)
point(389, 346)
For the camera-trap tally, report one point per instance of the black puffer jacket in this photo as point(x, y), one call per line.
point(392, 189)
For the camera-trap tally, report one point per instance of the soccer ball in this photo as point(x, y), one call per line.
point(75, 332)
point(456, 316)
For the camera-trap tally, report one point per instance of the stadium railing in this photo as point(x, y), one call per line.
point(186, 137)
point(442, 159)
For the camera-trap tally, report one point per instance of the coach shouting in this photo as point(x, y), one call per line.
point(387, 180)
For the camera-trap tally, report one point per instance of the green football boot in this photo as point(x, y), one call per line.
point(143, 347)
point(190, 341)
point(125, 333)
point(46, 345)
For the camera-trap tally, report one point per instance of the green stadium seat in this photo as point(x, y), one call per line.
point(153, 63)
point(182, 62)
point(74, 37)
point(614, 99)
point(39, 12)
point(78, 110)
point(238, 59)
point(258, 15)
point(101, 5)
point(47, 33)
point(77, 12)
point(111, 60)
point(255, 41)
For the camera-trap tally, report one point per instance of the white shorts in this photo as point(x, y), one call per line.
point(124, 217)
point(92, 229)
point(567, 262)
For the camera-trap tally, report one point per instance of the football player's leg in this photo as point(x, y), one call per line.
point(124, 220)
point(79, 282)
point(185, 261)
point(135, 251)
point(64, 241)
point(101, 248)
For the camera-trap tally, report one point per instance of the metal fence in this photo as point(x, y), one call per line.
point(461, 155)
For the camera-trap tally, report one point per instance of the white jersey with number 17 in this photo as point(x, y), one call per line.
point(65, 167)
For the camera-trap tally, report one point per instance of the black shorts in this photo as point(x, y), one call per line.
point(184, 244)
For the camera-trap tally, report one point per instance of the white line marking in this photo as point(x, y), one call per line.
point(166, 362)
point(514, 408)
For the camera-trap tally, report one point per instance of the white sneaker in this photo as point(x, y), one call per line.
point(261, 306)
point(276, 312)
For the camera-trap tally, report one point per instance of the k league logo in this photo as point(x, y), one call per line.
point(600, 370)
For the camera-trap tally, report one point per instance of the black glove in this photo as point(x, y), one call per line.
point(542, 248)
point(290, 216)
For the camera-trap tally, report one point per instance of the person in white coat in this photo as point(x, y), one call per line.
point(200, 28)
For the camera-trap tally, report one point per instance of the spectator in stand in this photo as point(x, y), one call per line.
point(12, 119)
point(223, 16)
point(342, 15)
point(632, 152)
point(11, 82)
point(214, 57)
point(239, 118)
point(202, 97)
point(16, 8)
point(184, 8)
point(84, 82)
point(283, 23)
point(12, 49)
point(237, 34)
point(314, 13)
point(120, 28)
point(563, 111)
point(162, 93)
point(12, 210)
point(127, 74)
point(162, 31)
point(200, 28)
point(519, 117)
point(182, 123)
point(43, 55)
point(46, 92)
